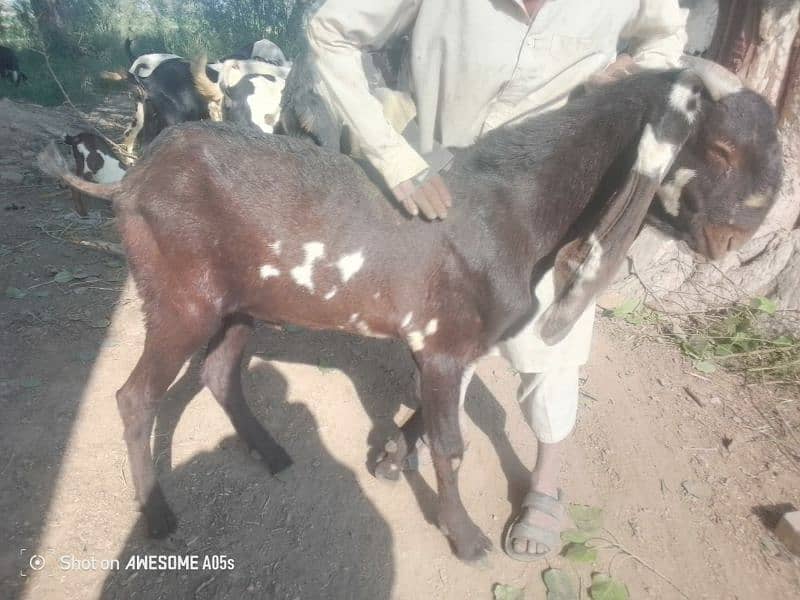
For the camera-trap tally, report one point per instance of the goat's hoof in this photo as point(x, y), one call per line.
point(470, 544)
point(161, 522)
point(387, 469)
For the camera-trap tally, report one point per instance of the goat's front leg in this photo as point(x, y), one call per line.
point(441, 383)
point(402, 452)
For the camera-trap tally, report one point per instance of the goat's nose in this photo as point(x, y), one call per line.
point(721, 239)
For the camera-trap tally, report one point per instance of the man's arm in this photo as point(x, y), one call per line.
point(337, 34)
point(657, 34)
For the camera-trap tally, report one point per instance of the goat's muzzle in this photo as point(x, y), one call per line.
point(718, 240)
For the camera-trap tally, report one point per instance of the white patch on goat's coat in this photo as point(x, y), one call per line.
point(331, 294)
point(303, 273)
point(755, 201)
point(110, 172)
point(416, 340)
point(432, 327)
point(364, 329)
point(376, 295)
point(267, 271)
point(353, 318)
point(591, 266)
point(670, 193)
point(407, 320)
point(655, 156)
point(350, 264)
point(679, 97)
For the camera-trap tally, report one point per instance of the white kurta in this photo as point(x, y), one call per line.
point(474, 65)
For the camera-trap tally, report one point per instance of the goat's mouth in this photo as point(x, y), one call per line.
point(716, 241)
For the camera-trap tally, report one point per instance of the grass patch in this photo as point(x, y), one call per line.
point(79, 76)
point(734, 339)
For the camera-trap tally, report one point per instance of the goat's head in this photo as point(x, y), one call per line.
point(726, 177)
point(709, 150)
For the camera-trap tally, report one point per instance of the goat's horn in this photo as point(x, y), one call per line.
point(719, 81)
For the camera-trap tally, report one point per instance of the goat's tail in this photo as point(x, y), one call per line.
point(209, 90)
point(52, 163)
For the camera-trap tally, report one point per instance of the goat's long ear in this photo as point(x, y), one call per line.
point(585, 266)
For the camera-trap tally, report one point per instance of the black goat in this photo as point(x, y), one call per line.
point(9, 66)
point(215, 239)
point(167, 96)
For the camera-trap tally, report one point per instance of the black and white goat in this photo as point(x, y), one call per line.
point(215, 240)
point(9, 66)
point(167, 96)
point(247, 92)
point(95, 160)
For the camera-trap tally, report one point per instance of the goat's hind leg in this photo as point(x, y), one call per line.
point(166, 348)
point(442, 380)
point(222, 375)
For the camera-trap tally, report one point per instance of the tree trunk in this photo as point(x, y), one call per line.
point(52, 19)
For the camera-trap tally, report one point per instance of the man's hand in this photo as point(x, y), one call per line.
point(619, 69)
point(431, 197)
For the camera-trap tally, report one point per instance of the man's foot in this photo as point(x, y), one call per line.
point(536, 533)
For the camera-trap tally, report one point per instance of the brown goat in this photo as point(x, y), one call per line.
point(222, 226)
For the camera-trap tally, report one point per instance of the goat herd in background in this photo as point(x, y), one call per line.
point(245, 87)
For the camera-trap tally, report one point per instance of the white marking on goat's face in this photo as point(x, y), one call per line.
point(416, 340)
point(265, 102)
point(276, 247)
point(670, 193)
point(591, 266)
point(267, 271)
point(303, 274)
point(350, 264)
point(756, 201)
point(407, 320)
point(684, 100)
point(654, 156)
point(331, 294)
point(432, 327)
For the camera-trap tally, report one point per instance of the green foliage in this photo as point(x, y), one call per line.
point(730, 339)
point(605, 588)
point(507, 592)
point(579, 553)
point(85, 37)
point(633, 312)
point(560, 586)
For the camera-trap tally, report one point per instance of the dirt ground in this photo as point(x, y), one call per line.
point(326, 528)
